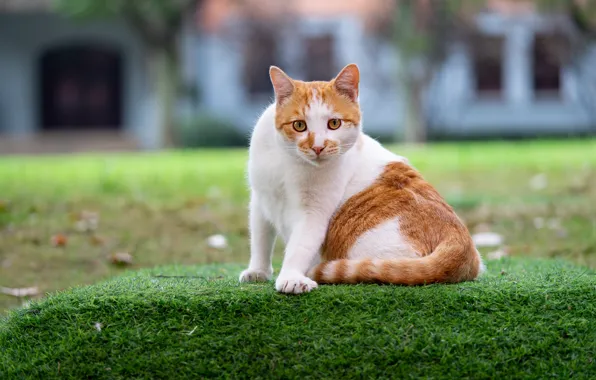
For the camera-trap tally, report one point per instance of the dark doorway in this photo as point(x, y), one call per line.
point(81, 88)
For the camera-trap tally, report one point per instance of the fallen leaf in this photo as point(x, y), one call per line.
point(97, 240)
point(217, 241)
point(20, 292)
point(192, 331)
point(59, 240)
point(121, 258)
point(487, 239)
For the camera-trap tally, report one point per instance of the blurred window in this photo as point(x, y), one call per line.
point(548, 52)
point(81, 87)
point(261, 51)
point(488, 65)
point(319, 58)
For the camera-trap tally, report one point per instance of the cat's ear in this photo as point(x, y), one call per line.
point(282, 84)
point(347, 81)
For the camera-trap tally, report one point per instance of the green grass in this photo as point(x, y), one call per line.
point(529, 317)
point(161, 207)
point(524, 319)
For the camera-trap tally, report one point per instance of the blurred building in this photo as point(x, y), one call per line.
point(309, 40)
point(68, 85)
point(517, 75)
point(86, 85)
point(513, 77)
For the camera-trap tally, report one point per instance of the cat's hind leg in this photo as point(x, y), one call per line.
point(383, 241)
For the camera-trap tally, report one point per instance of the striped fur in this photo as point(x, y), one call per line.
point(441, 241)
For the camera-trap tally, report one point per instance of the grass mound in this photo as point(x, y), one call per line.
point(525, 318)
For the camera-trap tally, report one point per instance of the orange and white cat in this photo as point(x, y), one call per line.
point(348, 210)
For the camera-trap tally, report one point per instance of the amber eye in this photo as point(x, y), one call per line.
point(334, 123)
point(299, 125)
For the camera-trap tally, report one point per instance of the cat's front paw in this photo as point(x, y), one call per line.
point(294, 283)
point(255, 275)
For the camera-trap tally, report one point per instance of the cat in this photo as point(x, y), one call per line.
point(348, 210)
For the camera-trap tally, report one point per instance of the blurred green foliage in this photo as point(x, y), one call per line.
point(207, 130)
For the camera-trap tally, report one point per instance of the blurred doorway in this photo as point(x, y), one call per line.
point(81, 88)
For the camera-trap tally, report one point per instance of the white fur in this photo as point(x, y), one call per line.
point(295, 194)
point(382, 242)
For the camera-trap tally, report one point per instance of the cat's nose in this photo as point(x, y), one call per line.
point(318, 149)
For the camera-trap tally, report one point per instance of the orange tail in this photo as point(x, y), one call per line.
point(447, 264)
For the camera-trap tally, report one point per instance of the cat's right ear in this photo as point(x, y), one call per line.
point(282, 84)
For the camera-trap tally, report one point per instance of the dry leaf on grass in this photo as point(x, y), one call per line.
point(97, 240)
point(20, 292)
point(59, 240)
point(121, 258)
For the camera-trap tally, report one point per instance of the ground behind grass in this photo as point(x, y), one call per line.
point(524, 319)
point(161, 207)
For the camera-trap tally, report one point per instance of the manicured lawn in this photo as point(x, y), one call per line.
point(525, 319)
point(161, 207)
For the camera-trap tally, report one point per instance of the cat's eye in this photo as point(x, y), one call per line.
point(334, 123)
point(299, 125)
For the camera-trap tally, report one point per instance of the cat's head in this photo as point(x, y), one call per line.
point(317, 121)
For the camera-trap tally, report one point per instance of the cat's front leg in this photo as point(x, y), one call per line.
point(262, 238)
point(301, 251)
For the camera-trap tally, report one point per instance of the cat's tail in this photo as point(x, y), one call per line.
point(447, 264)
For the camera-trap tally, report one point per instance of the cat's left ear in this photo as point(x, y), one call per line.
point(282, 84)
point(347, 81)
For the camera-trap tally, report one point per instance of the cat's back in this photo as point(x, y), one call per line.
point(372, 160)
point(264, 161)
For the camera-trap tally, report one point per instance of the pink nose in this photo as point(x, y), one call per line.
point(318, 149)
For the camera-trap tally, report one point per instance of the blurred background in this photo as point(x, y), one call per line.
point(159, 73)
point(107, 108)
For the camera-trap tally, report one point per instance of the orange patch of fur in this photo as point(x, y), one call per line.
point(295, 107)
point(308, 142)
point(427, 222)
